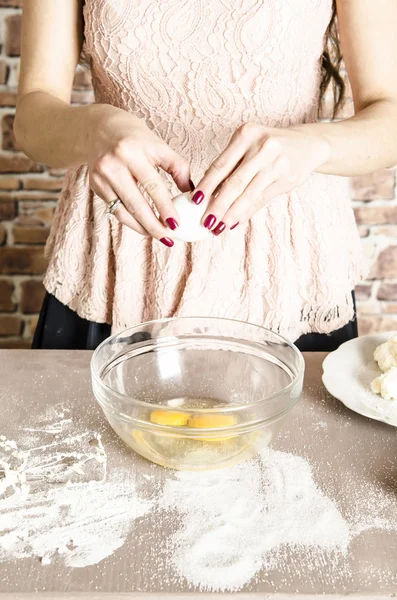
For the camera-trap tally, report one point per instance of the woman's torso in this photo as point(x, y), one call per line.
point(195, 70)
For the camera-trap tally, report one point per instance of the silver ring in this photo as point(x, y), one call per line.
point(113, 206)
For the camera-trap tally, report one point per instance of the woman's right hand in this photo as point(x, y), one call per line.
point(124, 151)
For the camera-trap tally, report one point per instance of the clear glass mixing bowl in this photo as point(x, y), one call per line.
point(197, 393)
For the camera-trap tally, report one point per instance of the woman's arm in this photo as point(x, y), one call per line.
point(367, 141)
point(46, 127)
point(118, 147)
point(261, 162)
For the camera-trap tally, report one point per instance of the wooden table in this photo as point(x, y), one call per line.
point(346, 452)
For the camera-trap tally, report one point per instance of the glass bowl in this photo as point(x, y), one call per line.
point(197, 393)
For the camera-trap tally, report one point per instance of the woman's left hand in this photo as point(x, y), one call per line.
point(258, 164)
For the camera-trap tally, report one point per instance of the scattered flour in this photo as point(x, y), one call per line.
point(56, 498)
point(58, 501)
point(235, 520)
point(320, 425)
point(85, 523)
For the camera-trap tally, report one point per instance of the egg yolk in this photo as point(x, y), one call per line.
point(173, 419)
point(212, 422)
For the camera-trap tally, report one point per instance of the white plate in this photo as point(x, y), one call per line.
point(347, 375)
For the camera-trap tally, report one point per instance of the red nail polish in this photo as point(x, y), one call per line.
point(219, 228)
point(172, 224)
point(210, 221)
point(192, 186)
point(167, 242)
point(198, 197)
point(234, 226)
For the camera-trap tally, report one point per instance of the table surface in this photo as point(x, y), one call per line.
point(348, 454)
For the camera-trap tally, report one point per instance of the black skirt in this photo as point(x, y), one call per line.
point(60, 328)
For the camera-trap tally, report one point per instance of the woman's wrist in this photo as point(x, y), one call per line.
point(105, 119)
point(360, 144)
point(321, 144)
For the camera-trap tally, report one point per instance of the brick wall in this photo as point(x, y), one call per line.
point(28, 195)
point(29, 192)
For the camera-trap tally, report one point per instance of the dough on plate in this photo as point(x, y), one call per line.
point(386, 384)
point(386, 354)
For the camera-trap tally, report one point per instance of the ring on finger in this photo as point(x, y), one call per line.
point(113, 206)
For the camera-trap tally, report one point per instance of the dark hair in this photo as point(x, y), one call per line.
point(331, 65)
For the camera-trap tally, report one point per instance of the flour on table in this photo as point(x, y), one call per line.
point(233, 522)
point(56, 497)
point(59, 501)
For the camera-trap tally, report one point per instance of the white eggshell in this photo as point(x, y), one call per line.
point(190, 215)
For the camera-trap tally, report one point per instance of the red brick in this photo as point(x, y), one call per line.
point(385, 266)
point(15, 343)
point(13, 35)
point(18, 163)
point(376, 186)
point(368, 307)
point(40, 213)
point(34, 196)
point(52, 184)
point(391, 307)
point(11, 3)
point(30, 326)
point(346, 111)
point(388, 231)
point(32, 295)
point(30, 235)
point(368, 325)
point(9, 141)
point(363, 291)
point(82, 97)
point(27, 221)
point(387, 291)
point(8, 98)
point(6, 291)
point(10, 325)
point(9, 183)
point(7, 196)
point(57, 171)
point(7, 209)
point(3, 72)
point(22, 261)
point(376, 215)
point(3, 235)
point(82, 79)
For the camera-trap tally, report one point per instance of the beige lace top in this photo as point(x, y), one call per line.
point(195, 70)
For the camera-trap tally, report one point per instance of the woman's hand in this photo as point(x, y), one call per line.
point(124, 151)
point(258, 164)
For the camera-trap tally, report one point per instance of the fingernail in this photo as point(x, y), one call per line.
point(198, 197)
point(234, 226)
point(192, 186)
point(172, 224)
point(167, 242)
point(210, 221)
point(219, 228)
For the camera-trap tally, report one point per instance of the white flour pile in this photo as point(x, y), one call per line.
point(234, 521)
point(55, 498)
